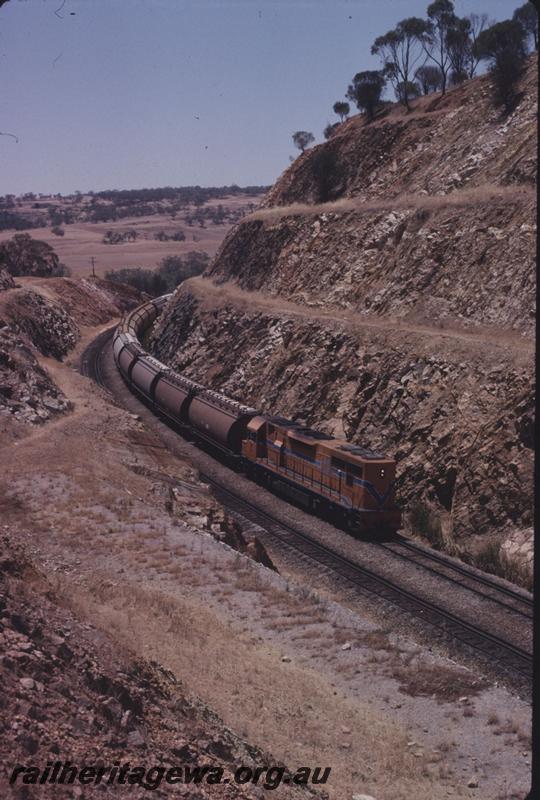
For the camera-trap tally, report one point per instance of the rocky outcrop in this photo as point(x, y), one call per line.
point(93, 301)
point(50, 329)
point(6, 281)
point(44, 319)
point(27, 392)
point(201, 512)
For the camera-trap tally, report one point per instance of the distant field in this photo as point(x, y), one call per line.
point(82, 240)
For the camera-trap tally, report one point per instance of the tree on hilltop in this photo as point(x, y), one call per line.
point(411, 89)
point(302, 139)
point(527, 16)
point(342, 109)
point(429, 78)
point(459, 45)
point(401, 51)
point(478, 23)
point(366, 90)
point(504, 47)
point(441, 20)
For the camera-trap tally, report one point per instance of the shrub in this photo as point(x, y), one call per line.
point(57, 230)
point(409, 90)
point(366, 90)
point(169, 274)
point(327, 175)
point(23, 255)
point(61, 270)
point(427, 524)
point(145, 280)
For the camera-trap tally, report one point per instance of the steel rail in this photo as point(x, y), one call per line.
point(508, 655)
point(423, 553)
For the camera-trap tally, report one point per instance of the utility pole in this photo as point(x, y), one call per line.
point(93, 262)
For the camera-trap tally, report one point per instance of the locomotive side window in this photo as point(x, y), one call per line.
point(350, 469)
point(303, 450)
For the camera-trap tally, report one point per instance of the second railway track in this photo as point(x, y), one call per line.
point(508, 656)
point(471, 580)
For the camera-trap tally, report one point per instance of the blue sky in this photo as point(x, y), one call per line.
point(131, 93)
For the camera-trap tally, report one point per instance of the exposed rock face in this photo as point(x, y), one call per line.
point(27, 393)
point(52, 331)
point(6, 281)
point(44, 320)
point(463, 436)
point(415, 296)
point(413, 245)
point(449, 265)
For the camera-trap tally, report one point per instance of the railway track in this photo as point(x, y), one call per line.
point(91, 361)
point(461, 575)
point(509, 657)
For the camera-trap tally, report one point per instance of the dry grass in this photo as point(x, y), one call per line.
point(458, 198)
point(439, 681)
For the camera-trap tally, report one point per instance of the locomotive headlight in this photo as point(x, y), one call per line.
point(382, 473)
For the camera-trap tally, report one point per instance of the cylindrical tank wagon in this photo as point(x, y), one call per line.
point(220, 418)
point(353, 484)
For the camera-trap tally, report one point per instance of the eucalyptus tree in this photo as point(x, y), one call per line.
point(302, 139)
point(366, 90)
point(342, 109)
point(401, 51)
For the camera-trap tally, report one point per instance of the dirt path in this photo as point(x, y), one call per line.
point(216, 295)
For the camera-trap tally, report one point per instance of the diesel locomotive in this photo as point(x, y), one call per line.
point(351, 485)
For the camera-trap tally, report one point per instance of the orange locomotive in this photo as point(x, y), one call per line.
point(348, 483)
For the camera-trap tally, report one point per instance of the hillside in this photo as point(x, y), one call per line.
point(398, 311)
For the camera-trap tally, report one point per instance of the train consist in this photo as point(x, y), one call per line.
point(348, 483)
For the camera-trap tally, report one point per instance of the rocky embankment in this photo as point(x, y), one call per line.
point(424, 247)
point(43, 319)
point(70, 694)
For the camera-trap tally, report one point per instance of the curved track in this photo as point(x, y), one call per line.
point(510, 658)
point(91, 361)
